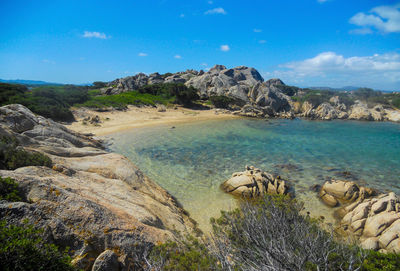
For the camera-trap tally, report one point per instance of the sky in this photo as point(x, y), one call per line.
point(331, 43)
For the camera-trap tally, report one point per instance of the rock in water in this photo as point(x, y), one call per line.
point(253, 182)
point(375, 220)
point(93, 201)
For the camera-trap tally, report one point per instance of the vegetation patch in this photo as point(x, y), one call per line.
point(48, 101)
point(224, 101)
point(22, 248)
point(9, 190)
point(268, 234)
point(13, 156)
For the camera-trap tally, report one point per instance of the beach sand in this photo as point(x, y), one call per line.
point(137, 117)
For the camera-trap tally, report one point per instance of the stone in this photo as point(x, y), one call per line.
point(253, 182)
point(371, 217)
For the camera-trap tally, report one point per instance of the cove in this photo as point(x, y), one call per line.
point(193, 159)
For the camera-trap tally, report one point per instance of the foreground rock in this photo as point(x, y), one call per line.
point(253, 182)
point(374, 219)
point(97, 203)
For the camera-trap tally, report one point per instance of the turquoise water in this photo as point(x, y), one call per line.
point(191, 160)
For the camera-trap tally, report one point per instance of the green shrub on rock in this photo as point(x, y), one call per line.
point(9, 190)
point(13, 157)
point(23, 249)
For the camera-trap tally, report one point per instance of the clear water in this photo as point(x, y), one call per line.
point(193, 159)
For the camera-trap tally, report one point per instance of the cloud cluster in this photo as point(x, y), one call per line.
point(142, 54)
point(329, 68)
point(224, 48)
point(216, 11)
point(94, 34)
point(385, 19)
point(178, 56)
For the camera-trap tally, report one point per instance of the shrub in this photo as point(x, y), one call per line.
point(376, 261)
point(396, 102)
point(271, 234)
point(9, 190)
point(222, 101)
point(190, 254)
point(22, 248)
point(13, 157)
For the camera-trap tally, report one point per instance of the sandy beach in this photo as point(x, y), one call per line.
point(136, 117)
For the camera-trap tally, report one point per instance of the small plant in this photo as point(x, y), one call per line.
point(222, 101)
point(9, 190)
point(22, 248)
point(190, 254)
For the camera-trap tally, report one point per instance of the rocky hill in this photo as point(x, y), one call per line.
point(259, 98)
point(97, 203)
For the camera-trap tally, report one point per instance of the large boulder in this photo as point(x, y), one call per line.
point(91, 200)
point(374, 219)
point(253, 182)
point(360, 111)
point(219, 80)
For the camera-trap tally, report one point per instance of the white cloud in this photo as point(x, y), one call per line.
point(257, 30)
point(204, 64)
point(94, 34)
point(182, 15)
point(142, 54)
point(383, 18)
point(210, 2)
point(262, 41)
point(224, 48)
point(216, 11)
point(322, 1)
point(378, 70)
point(178, 56)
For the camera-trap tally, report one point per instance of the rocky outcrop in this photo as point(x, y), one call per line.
point(324, 111)
point(336, 192)
point(93, 201)
point(130, 83)
point(374, 219)
point(253, 182)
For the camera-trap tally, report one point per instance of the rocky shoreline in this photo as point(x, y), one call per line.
point(97, 203)
point(370, 217)
point(258, 98)
point(106, 210)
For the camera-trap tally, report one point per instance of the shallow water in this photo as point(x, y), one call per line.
point(192, 160)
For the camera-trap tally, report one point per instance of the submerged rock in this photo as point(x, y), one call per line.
point(91, 200)
point(253, 182)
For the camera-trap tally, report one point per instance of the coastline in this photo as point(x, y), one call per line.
point(137, 117)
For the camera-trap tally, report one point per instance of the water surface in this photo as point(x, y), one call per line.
point(193, 159)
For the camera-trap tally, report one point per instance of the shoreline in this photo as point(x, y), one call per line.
point(115, 121)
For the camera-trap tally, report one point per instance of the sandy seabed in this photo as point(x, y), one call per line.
point(137, 117)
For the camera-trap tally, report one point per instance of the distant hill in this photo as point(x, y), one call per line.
point(29, 82)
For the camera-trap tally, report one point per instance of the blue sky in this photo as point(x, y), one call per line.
point(305, 43)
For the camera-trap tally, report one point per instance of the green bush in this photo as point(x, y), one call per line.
point(189, 255)
point(124, 99)
point(22, 249)
point(49, 101)
point(222, 101)
point(9, 190)
point(13, 157)
point(396, 102)
point(376, 261)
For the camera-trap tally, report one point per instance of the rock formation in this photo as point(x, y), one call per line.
point(253, 182)
point(97, 203)
point(374, 219)
point(257, 98)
